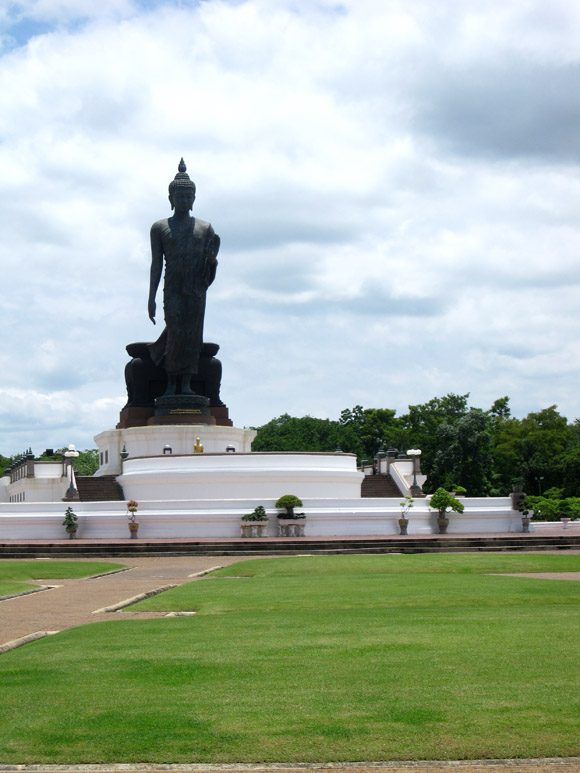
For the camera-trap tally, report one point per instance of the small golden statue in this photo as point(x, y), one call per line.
point(198, 447)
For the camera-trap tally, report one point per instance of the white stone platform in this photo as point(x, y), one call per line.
point(204, 495)
point(260, 476)
point(150, 441)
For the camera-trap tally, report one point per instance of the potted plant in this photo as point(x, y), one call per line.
point(517, 492)
point(524, 508)
point(131, 515)
point(70, 523)
point(457, 491)
point(444, 502)
point(405, 506)
point(287, 520)
point(565, 513)
point(255, 524)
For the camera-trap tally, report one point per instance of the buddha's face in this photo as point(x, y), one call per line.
point(182, 199)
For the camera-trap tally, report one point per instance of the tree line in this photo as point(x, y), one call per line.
point(486, 451)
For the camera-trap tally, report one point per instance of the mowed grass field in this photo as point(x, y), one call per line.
point(313, 659)
point(18, 576)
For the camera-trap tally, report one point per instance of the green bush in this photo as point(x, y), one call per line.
point(287, 503)
point(442, 501)
point(548, 509)
point(553, 493)
point(258, 514)
point(70, 520)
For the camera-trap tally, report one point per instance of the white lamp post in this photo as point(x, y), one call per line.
point(416, 490)
point(70, 455)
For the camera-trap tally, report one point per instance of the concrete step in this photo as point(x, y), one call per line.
point(102, 489)
point(142, 547)
point(379, 486)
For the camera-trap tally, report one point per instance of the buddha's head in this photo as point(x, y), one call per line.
point(181, 190)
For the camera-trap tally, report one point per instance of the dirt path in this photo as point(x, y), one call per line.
point(545, 575)
point(74, 601)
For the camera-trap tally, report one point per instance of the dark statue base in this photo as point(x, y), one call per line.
point(146, 384)
point(167, 405)
point(142, 417)
point(179, 407)
point(180, 419)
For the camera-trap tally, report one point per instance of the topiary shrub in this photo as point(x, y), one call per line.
point(443, 502)
point(287, 503)
point(258, 514)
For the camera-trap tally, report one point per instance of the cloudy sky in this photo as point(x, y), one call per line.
point(396, 184)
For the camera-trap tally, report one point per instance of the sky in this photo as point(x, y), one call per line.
point(396, 185)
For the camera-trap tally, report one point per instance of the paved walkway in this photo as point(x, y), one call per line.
point(74, 601)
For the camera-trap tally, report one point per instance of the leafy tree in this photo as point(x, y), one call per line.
point(543, 440)
point(569, 462)
point(5, 461)
point(87, 462)
point(373, 428)
point(508, 463)
point(464, 453)
point(541, 447)
point(288, 433)
point(418, 427)
point(500, 411)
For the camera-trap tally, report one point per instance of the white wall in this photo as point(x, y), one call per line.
point(46, 485)
point(263, 476)
point(402, 473)
point(215, 518)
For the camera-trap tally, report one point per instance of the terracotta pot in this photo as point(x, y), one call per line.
point(133, 528)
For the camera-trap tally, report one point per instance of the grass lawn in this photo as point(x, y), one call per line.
point(313, 659)
point(15, 576)
point(8, 588)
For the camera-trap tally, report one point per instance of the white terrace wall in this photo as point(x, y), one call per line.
point(41, 481)
point(150, 441)
point(264, 476)
point(212, 518)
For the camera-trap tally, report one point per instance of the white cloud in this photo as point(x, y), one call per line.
point(396, 201)
point(66, 10)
